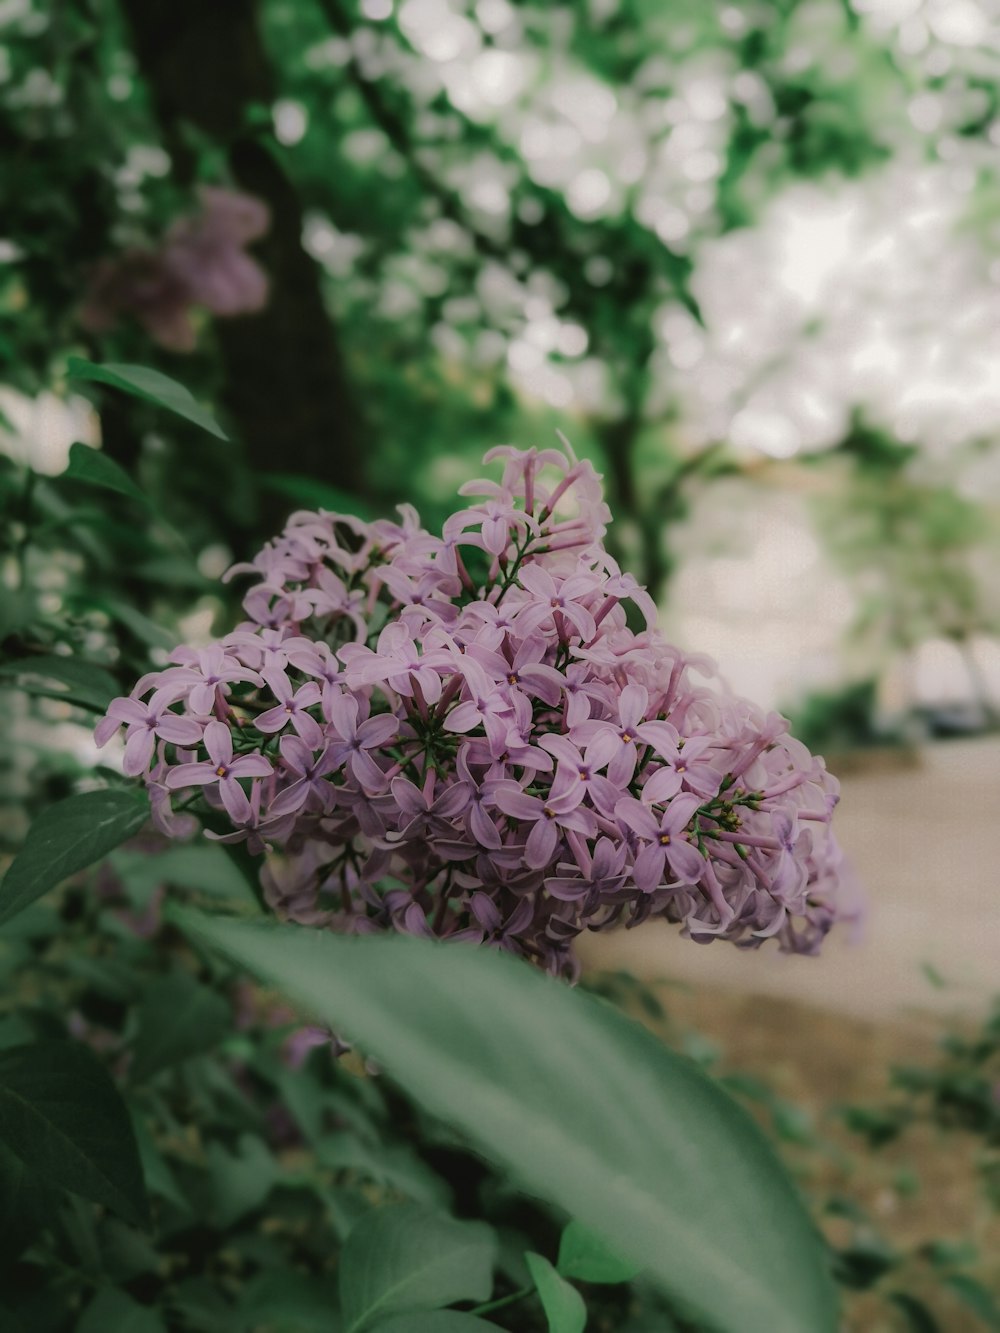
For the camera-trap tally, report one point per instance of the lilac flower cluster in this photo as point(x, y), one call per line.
point(462, 737)
point(201, 261)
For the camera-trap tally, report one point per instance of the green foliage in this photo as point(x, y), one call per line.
point(63, 1120)
point(88, 685)
point(585, 1256)
point(839, 720)
point(67, 837)
point(407, 1258)
point(563, 1304)
point(440, 1321)
point(96, 469)
point(177, 1018)
point(114, 1311)
point(149, 385)
point(522, 1090)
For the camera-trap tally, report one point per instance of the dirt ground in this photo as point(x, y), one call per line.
point(922, 837)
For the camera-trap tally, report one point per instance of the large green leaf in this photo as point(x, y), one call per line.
point(96, 469)
point(406, 1258)
point(68, 836)
point(84, 683)
point(178, 1018)
point(564, 1308)
point(582, 1105)
point(149, 385)
point(62, 1117)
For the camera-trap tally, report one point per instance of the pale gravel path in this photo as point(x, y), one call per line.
point(926, 843)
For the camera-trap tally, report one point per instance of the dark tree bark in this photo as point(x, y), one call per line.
point(286, 383)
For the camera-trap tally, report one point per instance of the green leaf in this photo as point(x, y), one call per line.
point(155, 1170)
point(241, 1180)
point(68, 836)
point(407, 1257)
point(919, 1318)
point(88, 685)
point(581, 1105)
point(437, 1321)
point(61, 1115)
point(125, 1252)
point(203, 867)
point(586, 1257)
point(96, 469)
point(150, 386)
point(976, 1298)
point(114, 1311)
point(145, 630)
point(291, 1300)
point(178, 1018)
point(563, 1305)
point(392, 1164)
point(25, 1204)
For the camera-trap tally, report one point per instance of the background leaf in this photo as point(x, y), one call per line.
point(919, 1319)
point(563, 1305)
point(151, 386)
point(88, 685)
point(437, 1321)
point(68, 836)
point(289, 1300)
point(649, 1149)
point(406, 1258)
point(241, 1180)
point(61, 1115)
point(178, 1018)
point(97, 469)
point(114, 1311)
point(975, 1297)
point(583, 1255)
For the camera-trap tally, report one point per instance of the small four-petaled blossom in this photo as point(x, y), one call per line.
point(222, 768)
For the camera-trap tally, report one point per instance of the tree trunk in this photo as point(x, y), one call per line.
point(286, 383)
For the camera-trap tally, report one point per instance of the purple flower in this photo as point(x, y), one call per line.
point(356, 739)
point(596, 877)
point(316, 659)
point(665, 843)
point(496, 756)
point(485, 705)
point(291, 707)
point(210, 670)
point(577, 775)
point(310, 791)
point(426, 812)
point(397, 661)
point(222, 768)
point(548, 599)
point(546, 819)
point(684, 764)
point(144, 722)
